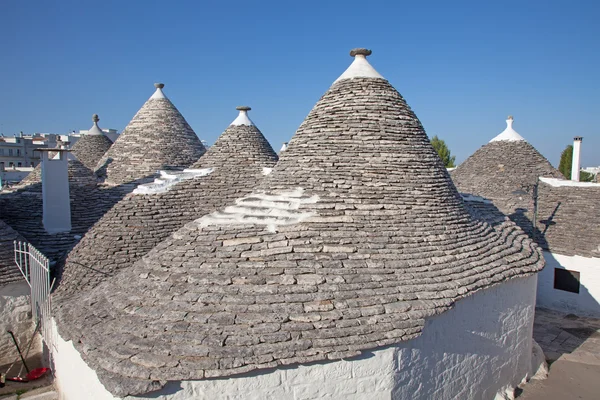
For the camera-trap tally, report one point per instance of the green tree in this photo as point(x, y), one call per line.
point(566, 163)
point(443, 151)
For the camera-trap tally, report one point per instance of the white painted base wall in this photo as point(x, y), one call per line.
point(584, 303)
point(481, 349)
point(15, 315)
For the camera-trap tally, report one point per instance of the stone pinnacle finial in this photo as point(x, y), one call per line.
point(360, 52)
point(159, 85)
point(510, 117)
point(95, 118)
point(243, 108)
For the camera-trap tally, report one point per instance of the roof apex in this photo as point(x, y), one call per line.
point(509, 134)
point(158, 94)
point(95, 129)
point(360, 67)
point(242, 118)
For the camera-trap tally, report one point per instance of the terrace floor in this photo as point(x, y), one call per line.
point(572, 347)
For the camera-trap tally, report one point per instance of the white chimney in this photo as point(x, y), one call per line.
point(576, 166)
point(55, 191)
point(283, 147)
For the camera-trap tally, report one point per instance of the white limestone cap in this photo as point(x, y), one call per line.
point(158, 94)
point(242, 118)
point(509, 134)
point(95, 129)
point(360, 67)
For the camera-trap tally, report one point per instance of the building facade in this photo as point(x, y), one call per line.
point(19, 151)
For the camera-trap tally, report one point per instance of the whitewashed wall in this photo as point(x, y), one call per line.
point(477, 350)
point(15, 315)
point(587, 301)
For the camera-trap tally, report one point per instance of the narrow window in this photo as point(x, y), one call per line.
point(566, 280)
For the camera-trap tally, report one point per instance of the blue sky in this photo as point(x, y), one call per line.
point(462, 66)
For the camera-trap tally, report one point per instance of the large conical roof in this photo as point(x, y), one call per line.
point(91, 146)
point(354, 239)
point(157, 137)
point(231, 168)
point(505, 170)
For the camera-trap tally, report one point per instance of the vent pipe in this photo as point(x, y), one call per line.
point(576, 166)
point(56, 203)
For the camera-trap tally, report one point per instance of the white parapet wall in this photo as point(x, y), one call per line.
point(481, 349)
point(584, 303)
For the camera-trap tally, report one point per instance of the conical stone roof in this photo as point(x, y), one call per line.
point(505, 171)
point(235, 165)
point(91, 146)
point(354, 239)
point(158, 137)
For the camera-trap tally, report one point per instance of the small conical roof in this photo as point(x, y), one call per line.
point(158, 137)
point(231, 168)
point(241, 145)
point(355, 237)
point(91, 146)
point(505, 170)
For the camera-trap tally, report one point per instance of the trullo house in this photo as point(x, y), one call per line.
point(354, 270)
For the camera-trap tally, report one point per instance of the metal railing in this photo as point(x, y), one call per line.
point(35, 267)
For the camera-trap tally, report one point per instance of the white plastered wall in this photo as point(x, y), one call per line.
point(477, 350)
point(587, 301)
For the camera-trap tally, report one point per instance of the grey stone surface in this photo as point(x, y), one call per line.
point(506, 173)
point(568, 220)
point(139, 222)
point(158, 137)
point(89, 149)
point(377, 240)
point(78, 172)
point(9, 272)
point(21, 208)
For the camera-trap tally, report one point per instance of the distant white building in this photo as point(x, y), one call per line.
point(19, 151)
